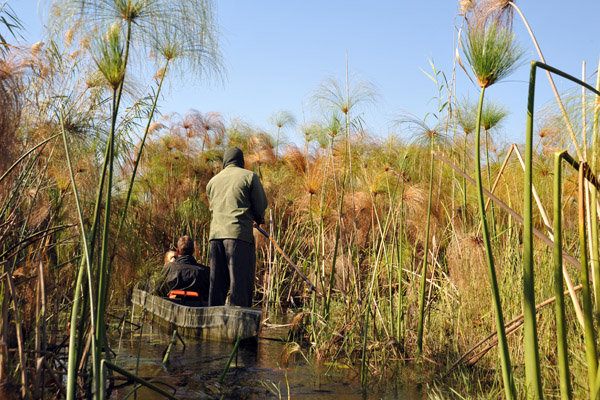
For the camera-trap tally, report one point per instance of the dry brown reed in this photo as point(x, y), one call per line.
point(498, 11)
point(483, 12)
point(415, 204)
point(10, 109)
point(465, 258)
point(363, 215)
point(260, 151)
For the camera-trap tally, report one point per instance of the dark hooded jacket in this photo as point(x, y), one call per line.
point(237, 199)
point(186, 274)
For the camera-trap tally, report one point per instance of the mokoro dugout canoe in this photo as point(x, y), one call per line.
point(221, 323)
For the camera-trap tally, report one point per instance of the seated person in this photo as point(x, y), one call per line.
point(184, 273)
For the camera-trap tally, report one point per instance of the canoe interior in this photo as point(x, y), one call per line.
point(222, 323)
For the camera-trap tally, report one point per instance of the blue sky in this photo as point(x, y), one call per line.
point(278, 52)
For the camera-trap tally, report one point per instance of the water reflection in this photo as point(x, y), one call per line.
point(256, 372)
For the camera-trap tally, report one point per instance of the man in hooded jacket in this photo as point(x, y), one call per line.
point(237, 201)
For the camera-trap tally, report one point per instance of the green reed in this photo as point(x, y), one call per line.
point(492, 54)
point(532, 361)
point(561, 330)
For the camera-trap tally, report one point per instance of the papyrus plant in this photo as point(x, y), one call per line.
point(118, 31)
point(492, 54)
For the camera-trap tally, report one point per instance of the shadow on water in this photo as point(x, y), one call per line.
point(256, 372)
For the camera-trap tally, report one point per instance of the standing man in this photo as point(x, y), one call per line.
point(237, 201)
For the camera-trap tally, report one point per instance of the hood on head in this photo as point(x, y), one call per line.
point(233, 156)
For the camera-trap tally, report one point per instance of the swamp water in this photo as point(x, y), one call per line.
point(256, 373)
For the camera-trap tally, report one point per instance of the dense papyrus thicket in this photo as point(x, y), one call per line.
point(413, 265)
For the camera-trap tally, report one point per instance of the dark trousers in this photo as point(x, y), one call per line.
point(232, 264)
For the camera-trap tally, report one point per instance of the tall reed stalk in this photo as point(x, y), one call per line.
point(531, 354)
point(431, 136)
point(338, 228)
point(502, 341)
point(595, 251)
point(86, 265)
point(492, 54)
point(532, 361)
point(112, 62)
point(399, 260)
point(183, 31)
point(586, 293)
point(559, 305)
point(422, 292)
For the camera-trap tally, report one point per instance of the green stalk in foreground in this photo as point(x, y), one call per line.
point(137, 379)
point(588, 321)
point(169, 347)
point(559, 305)
point(73, 350)
point(509, 385)
point(492, 54)
point(112, 64)
point(102, 271)
point(532, 367)
point(532, 359)
point(233, 353)
point(595, 251)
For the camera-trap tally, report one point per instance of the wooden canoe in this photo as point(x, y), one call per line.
point(221, 323)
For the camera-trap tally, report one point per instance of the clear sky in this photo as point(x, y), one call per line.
point(277, 53)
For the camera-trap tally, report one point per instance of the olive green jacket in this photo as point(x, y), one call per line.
point(237, 199)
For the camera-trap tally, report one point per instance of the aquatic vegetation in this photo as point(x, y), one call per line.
point(492, 55)
point(94, 188)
